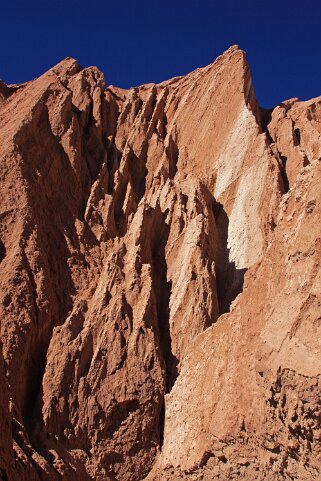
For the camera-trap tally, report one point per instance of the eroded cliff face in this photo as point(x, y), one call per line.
point(160, 279)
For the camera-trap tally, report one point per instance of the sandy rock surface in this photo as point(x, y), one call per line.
point(160, 279)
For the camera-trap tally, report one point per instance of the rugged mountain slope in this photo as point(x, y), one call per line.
point(247, 401)
point(129, 222)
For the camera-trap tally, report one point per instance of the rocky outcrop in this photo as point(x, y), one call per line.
point(131, 222)
point(295, 132)
point(247, 401)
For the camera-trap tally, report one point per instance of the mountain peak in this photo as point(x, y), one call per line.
point(159, 279)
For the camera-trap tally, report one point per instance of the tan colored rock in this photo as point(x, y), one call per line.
point(295, 129)
point(128, 221)
point(249, 386)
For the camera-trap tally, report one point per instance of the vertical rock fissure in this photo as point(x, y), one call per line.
point(34, 389)
point(2, 251)
point(172, 155)
point(162, 424)
point(229, 279)
point(265, 118)
point(284, 175)
point(264, 121)
point(162, 290)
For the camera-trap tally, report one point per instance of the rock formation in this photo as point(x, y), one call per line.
point(160, 279)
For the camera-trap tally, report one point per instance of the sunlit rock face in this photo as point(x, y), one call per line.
point(160, 281)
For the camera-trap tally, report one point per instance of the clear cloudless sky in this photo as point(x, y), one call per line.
point(135, 42)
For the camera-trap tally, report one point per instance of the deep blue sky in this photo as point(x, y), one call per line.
point(135, 42)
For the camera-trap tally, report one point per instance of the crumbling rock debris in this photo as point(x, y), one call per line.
point(160, 280)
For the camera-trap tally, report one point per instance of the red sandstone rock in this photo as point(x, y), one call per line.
point(248, 396)
point(128, 221)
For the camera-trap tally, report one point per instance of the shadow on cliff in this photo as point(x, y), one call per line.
point(265, 117)
point(162, 290)
point(155, 233)
point(229, 279)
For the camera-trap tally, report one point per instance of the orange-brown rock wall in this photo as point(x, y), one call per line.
point(160, 286)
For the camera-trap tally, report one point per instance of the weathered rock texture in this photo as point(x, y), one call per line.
point(160, 279)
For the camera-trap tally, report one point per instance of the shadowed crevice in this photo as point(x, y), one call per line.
point(3, 475)
point(2, 251)
point(162, 290)
point(154, 242)
point(265, 119)
point(229, 279)
point(297, 136)
point(138, 172)
point(172, 155)
point(284, 176)
point(162, 424)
